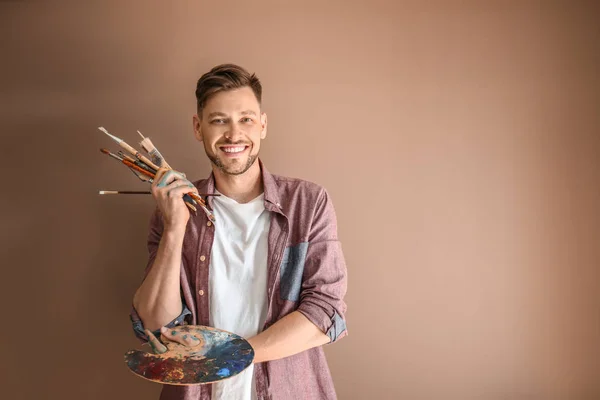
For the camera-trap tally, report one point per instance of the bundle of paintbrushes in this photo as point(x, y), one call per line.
point(145, 170)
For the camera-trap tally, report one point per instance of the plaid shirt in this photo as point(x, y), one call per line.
point(306, 273)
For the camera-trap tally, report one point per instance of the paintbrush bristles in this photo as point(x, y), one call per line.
point(116, 157)
point(116, 139)
point(153, 152)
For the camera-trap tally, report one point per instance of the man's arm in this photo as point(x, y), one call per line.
point(292, 334)
point(319, 318)
point(158, 300)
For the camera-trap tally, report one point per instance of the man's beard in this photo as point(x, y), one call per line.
point(217, 161)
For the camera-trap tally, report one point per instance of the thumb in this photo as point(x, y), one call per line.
point(157, 346)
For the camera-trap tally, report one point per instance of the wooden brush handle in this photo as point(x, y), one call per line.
point(138, 169)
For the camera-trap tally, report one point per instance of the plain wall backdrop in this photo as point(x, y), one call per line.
point(459, 141)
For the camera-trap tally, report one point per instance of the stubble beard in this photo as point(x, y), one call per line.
point(229, 169)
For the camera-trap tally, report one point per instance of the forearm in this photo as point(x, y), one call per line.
point(290, 335)
point(158, 299)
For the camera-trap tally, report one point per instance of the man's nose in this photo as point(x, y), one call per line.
point(234, 132)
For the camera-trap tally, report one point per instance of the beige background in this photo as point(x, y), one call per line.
point(460, 142)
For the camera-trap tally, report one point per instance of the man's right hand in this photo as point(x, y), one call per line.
point(168, 190)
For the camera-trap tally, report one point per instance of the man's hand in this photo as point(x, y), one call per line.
point(168, 336)
point(168, 190)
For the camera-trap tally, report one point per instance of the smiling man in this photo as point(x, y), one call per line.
point(271, 268)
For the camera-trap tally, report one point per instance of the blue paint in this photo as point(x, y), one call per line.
point(166, 175)
point(223, 372)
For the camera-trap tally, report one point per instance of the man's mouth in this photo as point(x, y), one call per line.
point(233, 150)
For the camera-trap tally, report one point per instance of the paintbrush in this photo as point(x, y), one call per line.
point(141, 177)
point(131, 150)
point(134, 167)
point(122, 192)
point(145, 192)
point(122, 156)
point(136, 162)
point(153, 152)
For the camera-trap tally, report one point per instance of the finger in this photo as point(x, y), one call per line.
point(180, 193)
point(180, 182)
point(179, 188)
point(159, 174)
point(183, 338)
point(157, 346)
point(169, 177)
point(172, 335)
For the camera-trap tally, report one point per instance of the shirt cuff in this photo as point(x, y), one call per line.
point(333, 326)
point(138, 326)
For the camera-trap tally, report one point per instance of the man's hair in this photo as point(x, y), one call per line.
point(225, 77)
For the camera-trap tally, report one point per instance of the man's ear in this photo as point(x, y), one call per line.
point(197, 127)
point(263, 123)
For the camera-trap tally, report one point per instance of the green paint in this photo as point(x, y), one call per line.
point(185, 336)
point(157, 347)
point(173, 333)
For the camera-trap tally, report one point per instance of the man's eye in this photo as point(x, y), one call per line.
point(247, 119)
point(217, 121)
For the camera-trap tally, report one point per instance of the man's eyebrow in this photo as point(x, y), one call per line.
point(216, 114)
point(220, 114)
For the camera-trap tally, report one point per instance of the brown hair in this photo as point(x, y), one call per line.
point(222, 78)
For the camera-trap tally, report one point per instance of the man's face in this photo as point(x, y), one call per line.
point(231, 127)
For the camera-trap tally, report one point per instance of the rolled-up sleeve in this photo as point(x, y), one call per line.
point(324, 279)
point(138, 325)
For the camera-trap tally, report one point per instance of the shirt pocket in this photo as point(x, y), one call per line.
point(292, 269)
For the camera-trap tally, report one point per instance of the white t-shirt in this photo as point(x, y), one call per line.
point(238, 281)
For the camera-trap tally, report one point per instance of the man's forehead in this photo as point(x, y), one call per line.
point(235, 101)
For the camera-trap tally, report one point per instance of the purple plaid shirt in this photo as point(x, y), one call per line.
point(306, 272)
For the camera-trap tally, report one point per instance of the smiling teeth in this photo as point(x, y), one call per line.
point(233, 149)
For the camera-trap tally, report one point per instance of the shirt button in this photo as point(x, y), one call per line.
point(201, 292)
point(208, 223)
point(202, 258)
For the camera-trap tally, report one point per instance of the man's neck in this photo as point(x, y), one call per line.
point(241, 188)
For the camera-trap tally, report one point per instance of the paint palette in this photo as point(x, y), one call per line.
point(217, 356)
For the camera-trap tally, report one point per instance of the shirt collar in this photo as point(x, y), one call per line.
point(270, 188)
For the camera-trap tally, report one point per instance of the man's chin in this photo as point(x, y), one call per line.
point(235, 167)
point(234, 170)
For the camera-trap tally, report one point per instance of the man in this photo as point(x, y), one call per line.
point(270, 268)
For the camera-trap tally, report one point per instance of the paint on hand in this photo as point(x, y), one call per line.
point(155, 344)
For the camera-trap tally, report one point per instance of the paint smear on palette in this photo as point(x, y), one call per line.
point(219, 355)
